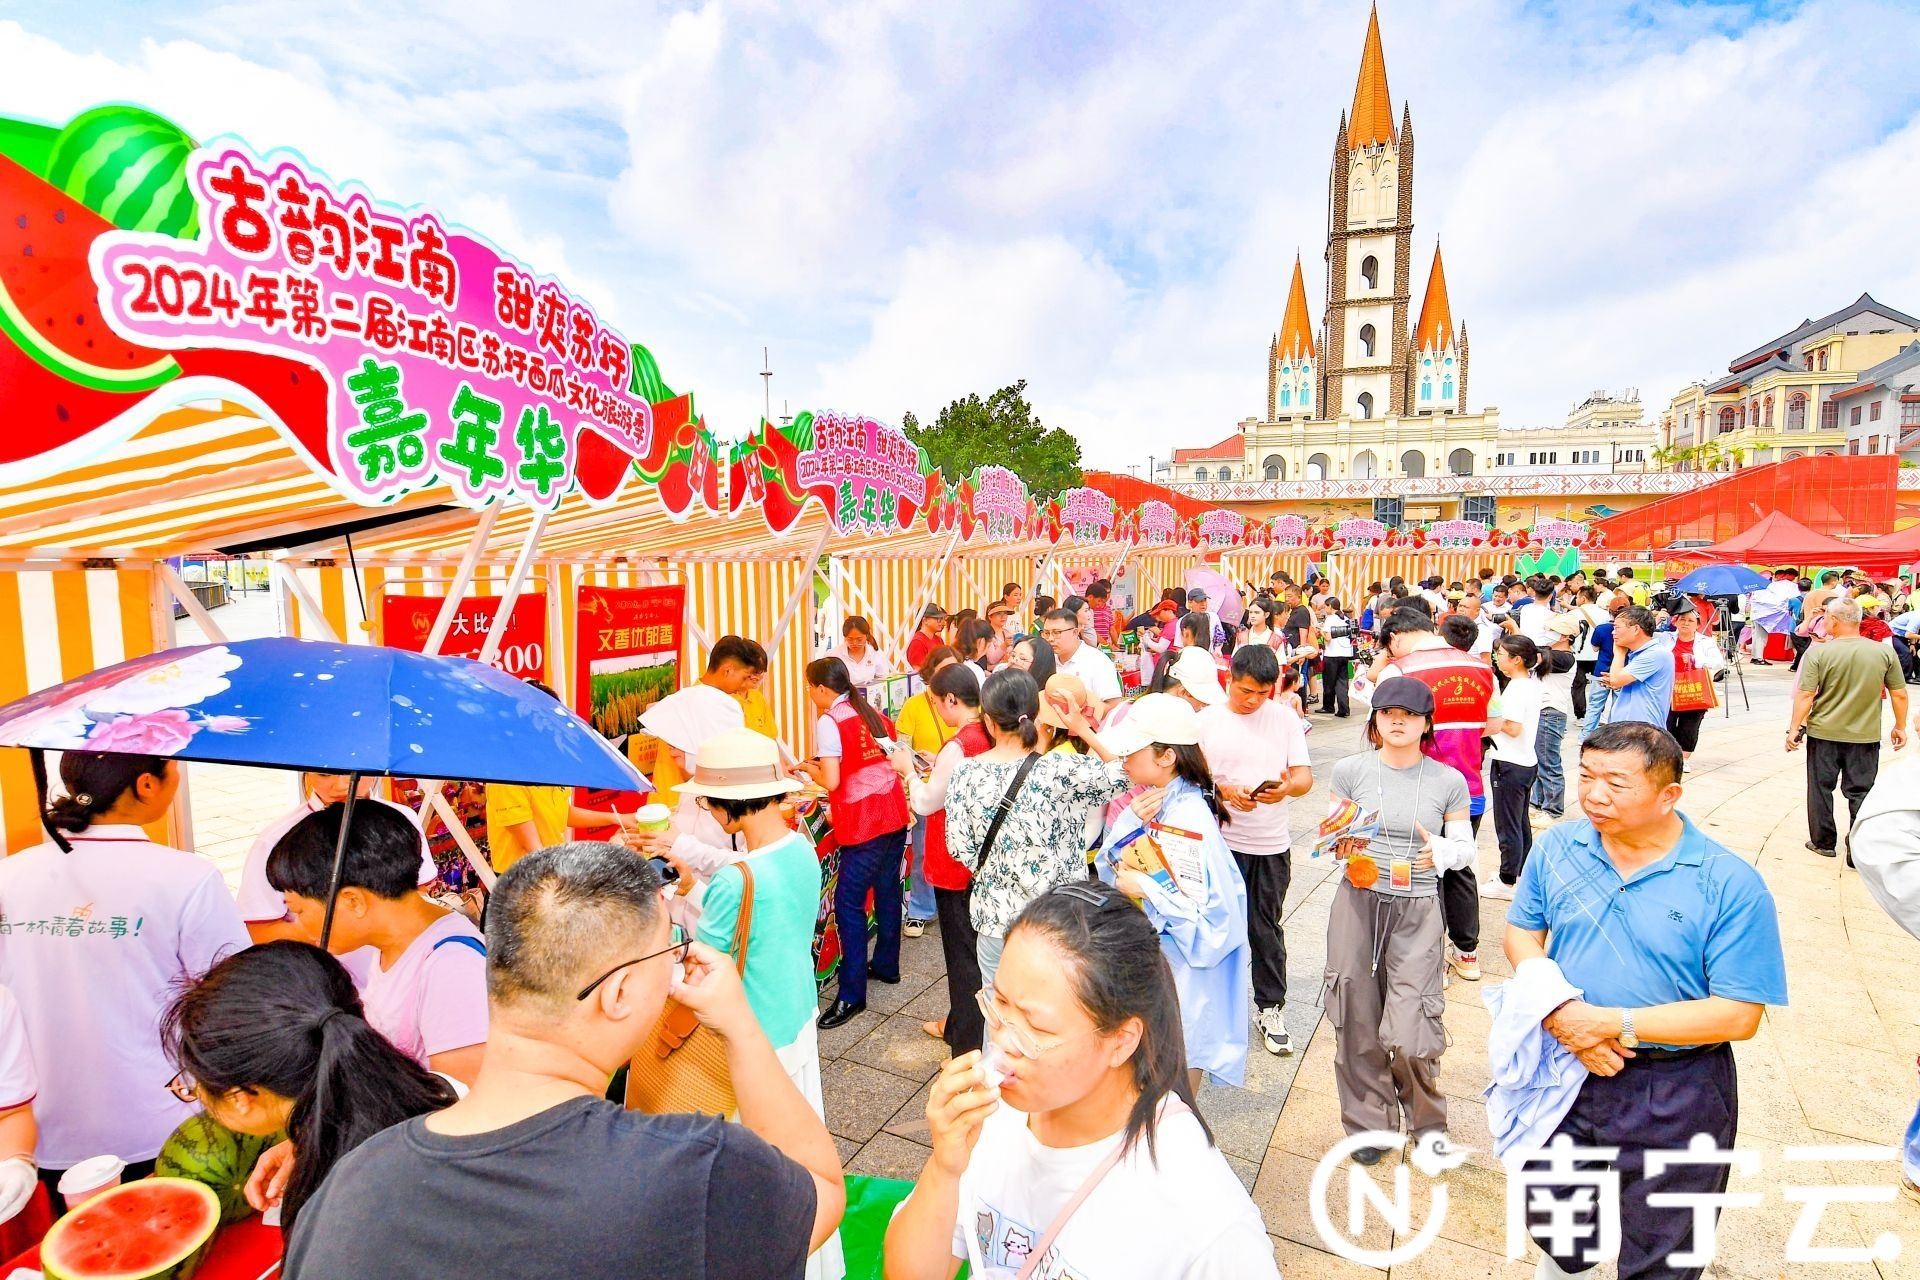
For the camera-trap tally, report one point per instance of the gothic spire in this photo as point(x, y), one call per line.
point(1371, 120)
point(1296, 329)
point(1435, 329)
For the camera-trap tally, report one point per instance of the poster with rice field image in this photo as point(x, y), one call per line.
point(627, 659)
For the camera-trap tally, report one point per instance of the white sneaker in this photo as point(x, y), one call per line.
point(914, 928)
point(1464, 963)
point(1495, 889)
point(1273, 1031)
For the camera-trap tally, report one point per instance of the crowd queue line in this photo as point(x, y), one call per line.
point(1108, 876)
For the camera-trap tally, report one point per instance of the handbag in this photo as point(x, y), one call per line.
point(1692, 684)
point(683, 1065)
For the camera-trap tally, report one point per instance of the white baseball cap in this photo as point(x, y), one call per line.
point(1157, 718)
point(1199, 675)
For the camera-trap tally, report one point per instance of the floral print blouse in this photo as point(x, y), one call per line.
point(1043, 841)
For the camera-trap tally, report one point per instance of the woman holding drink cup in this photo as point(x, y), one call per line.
point(1385, 936)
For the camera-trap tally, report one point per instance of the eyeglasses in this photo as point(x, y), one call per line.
point(183, 1087)
point(681, 943)
point(1014, 1035)
point(1055, 633)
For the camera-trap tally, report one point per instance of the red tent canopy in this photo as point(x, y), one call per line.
point(1779, 539)
point(1906, 542)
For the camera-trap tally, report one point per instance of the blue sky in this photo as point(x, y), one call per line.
point(908, 202)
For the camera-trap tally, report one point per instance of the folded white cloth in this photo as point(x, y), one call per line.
point(1535, 1078)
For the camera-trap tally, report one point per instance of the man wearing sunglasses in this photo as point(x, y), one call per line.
point(542, 1174)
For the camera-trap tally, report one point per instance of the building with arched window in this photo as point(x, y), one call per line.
point(1813, 373)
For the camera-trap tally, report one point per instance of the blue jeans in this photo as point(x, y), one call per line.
point(920, 901)
point(1550, 783)
point(872, 864)
point(1597, 695)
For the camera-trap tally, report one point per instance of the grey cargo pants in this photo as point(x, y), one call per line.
point(1384, 960)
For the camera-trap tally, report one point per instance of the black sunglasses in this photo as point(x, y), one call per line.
point(681, 944)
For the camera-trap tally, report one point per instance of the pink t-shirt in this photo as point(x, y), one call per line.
point(434, 998)
point(1245, 751)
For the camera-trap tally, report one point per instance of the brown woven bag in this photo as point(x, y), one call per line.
point(684, 1065)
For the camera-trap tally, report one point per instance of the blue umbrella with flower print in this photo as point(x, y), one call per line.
point(330, 708)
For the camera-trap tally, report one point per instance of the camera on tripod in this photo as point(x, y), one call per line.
point(1672, 603)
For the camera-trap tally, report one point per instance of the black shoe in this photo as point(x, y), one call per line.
point(1825, 853)
point(891, 980)
point(840, 1014)
point(1368, 1156)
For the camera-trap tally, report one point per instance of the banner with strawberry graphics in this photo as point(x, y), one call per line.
point(1159, 523)
point(1287, 531)
point(1086, 515)
point(442, 359)
point(1220, 528)
point(1000, 502)
point(1360, 532)
point(1457, 534)
point(870, 478)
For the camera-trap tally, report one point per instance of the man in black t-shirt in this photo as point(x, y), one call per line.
point(533, 1174)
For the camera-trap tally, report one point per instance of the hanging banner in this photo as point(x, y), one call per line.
point(406, 621)
point(1557, 534)
point(443, 360)
point(1360, 532)
point(627, 657)
point(870, 476)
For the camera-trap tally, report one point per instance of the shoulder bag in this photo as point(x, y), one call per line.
point(1001, 810)
point(683, 1067)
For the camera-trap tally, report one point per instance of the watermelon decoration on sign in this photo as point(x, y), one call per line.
point(153, 1229)
point(129, 166)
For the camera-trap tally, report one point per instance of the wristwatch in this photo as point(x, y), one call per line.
point(1628, 1040)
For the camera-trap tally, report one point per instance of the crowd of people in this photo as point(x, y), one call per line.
point(1108, 878)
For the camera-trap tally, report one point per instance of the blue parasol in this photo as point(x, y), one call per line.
point(1720, 580)
point(329, 708)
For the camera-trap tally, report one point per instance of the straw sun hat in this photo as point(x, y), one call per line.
point(738, 764)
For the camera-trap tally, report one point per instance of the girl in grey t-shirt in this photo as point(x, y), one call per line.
point(1385, 935)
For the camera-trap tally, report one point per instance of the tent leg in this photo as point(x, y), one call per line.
point(339, 858)
point(320, 627)
point(935, 575)
point(522, 565)
point(180, 591)
point(462, 576)
point(801, 590)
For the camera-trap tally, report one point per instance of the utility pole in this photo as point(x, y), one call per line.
point(766, 382)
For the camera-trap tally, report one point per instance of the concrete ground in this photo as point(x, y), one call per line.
point(1836, 1067)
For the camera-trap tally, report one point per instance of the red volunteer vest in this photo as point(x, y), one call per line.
point(942, 869)
point(870, 800)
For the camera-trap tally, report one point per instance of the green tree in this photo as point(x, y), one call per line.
point(999, 430)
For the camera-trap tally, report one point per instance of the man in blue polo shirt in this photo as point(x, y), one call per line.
point(1642, 686)
point(1674, 942)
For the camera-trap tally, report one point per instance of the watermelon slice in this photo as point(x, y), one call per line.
point(153, 1229)
point(49, 306)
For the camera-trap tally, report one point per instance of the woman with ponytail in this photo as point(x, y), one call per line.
point(1034, 804)
point(1513, 722)
point(102, 925)
point(852, 744)
point(274, 1040)
point(1098, 1138)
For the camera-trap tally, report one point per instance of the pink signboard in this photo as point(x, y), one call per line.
point(1087, 515)
point(1360, 532)
point(1558, 533)
point(1221, 528)
point(1159, 522)
point(872, 478)
point(999, 503)
point(1288, 531)
point(1457, 533)
point(445, 360)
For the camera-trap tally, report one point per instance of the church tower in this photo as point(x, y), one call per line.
point(1369, 239)
point(1291, 364)
point(1436, 368)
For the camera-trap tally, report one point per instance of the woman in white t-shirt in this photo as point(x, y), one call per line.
point(18, 1133)
point(99, 927)
point(1098, 1123)
point(1259, 629)
point(1513, 722)
point(263, 907)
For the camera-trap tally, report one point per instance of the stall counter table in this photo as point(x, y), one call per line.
point(247, 1250)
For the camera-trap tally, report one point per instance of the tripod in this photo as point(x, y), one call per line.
point(1729, 641)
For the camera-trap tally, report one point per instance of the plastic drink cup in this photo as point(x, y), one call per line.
point(656, 818)
point(90, 1177)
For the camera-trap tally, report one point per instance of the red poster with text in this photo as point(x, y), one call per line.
point(405, 622)
point(627, 657)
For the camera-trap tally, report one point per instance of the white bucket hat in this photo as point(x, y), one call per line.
point(1157, 718)
point(1198, 674)
point(738, 764)
point(687, 718)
